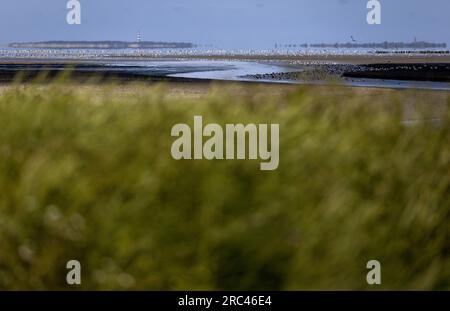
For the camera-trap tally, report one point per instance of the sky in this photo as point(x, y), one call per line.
point(226, 23)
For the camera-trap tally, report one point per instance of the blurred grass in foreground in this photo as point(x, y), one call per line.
point(88, 175)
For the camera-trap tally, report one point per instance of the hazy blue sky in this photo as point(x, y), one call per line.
point(226, 23)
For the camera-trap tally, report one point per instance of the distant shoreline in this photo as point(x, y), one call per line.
point(383, 45)
point(112, 44)
point(101, 45)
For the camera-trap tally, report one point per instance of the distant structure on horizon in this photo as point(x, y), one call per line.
point(139, 38)
point(102, 44)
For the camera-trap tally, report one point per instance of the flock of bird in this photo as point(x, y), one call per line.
point(190, 52)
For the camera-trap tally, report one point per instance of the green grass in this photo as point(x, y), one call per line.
point(88, 175)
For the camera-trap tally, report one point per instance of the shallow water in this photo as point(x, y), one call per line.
point(232, 70)
point(398, 84)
